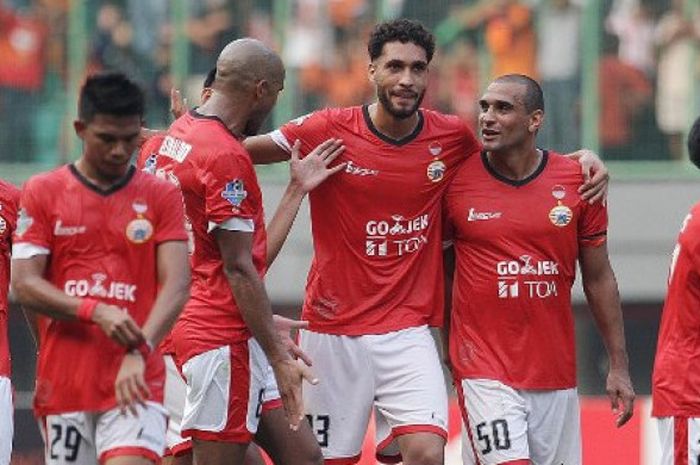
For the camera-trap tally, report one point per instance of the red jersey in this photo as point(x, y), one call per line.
point(516, 246)
point(101, 244)
point(219, 186)
point(676, 381)
point(377, 226)
point(9, 198)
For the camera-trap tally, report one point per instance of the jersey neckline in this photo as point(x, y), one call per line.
point(389, 140)
point(103, 192)
point(515, 182)
point(195, 114)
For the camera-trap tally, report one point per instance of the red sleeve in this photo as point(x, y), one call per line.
point(12, 206)
point(227, 178)
point(311, 130)
point(593, 224)
point(171, 219)
point(33, 222)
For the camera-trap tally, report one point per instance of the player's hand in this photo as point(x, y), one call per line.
point(621, 393)
point(312, 170)
point(284, 327)
point(595, 176)
point(130, 385)
point(117, 325)
point(290, 375)
point(178, 104)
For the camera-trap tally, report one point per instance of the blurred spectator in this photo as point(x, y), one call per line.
point(623, 90)
point(22, 71)
point(308, 52)
point(458, 77)
point(632, 21)
point(347, 83)
point(676, 38)
point(209, 27)
point(559, 56)
point(509, 32)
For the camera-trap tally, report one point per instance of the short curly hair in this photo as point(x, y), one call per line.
point(402, 30)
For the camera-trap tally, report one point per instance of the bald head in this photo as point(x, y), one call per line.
point(245, 62)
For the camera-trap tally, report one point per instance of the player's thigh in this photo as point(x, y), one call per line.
point(224, 392)
point(132, 437)
point(283, 445)
point(495, 422)
point(410, 397)
point(680, 440)
point(6, 421)
point(174, 403)
point(554, 426)
point(339, 406)
point(69, 438)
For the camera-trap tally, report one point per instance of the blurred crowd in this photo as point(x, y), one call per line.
point(647, 64)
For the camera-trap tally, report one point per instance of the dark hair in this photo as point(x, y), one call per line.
point(401, 30)
point(211, 76)
point(694, 143)
point(534, 99)
point(110, 93)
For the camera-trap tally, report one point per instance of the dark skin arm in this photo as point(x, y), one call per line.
point(264, 150)
point(600, 287)
point(249, 291)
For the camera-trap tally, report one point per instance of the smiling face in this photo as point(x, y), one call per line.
point(400, 75)
point(108, 142)
point(504, 120)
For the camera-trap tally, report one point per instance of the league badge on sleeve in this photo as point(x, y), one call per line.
point(24, 222)
point(561, 215)
point(234, 193)
point(139, 230)
point(3, 225)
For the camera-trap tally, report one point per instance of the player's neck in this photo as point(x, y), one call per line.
point(389, 125)
point(229, 112)
point(93, 176)
point(515, 164)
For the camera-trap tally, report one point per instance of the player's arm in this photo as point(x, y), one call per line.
point(603, 298)
point(448, 265)
point(249, 291)
point(35, 293)
point(174, 286)
point(595, 175)
point(304, 175)
point(264, 150)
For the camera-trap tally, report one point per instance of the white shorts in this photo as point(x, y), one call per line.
point(174, 402)
point(83, 438)
point(6, 421)
point(680, 440)
point(398, 373)
point(227, 390)
point(504, 424)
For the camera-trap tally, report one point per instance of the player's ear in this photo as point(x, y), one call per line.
point(536, 120)
point(371, 70)
point(79, 126)
point(262, 88)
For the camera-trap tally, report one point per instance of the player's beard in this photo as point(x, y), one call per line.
point(398, 113)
